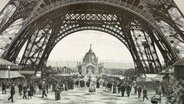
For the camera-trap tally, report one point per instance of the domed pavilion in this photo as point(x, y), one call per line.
point(90, 66)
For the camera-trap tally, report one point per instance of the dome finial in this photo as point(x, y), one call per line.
point(90, 46)
point(90, 50)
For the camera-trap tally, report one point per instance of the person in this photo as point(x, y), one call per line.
point(145, 93)
point(88, 83)
point(3, 87)
point(77, 83)
point(82, 83)
point(44, 90)
point(24, 92)
point(163, 90)
point(92, 89)
point(20, 86)
point(57, 92)
point(128, 90)
point(114, 88)
point(109, 86)
point(12, 92)
point(29, 93)
point(53, 86)
point(47, 88)
point(139, 89)
point(104, 84)
point(40, 87)
point(72, 84)
point(135, 89)
point(32, 89)
point(97, 84)
point(159, 92)
point(66, 85)
point(119, 87)
point(154, 100)
point(122, 90)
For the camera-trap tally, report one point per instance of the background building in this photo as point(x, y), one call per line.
point(90, 65)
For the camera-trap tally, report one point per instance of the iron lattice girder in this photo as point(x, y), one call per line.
point(68, 26)
point(45, 6)
point(22, 10)
point(36, 44)
point(147, 51)
point(12, 18)
point(171, 21)
point(134, 6)
point(44, 9)
point(93, 17)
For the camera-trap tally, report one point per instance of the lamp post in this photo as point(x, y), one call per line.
point(9, 67)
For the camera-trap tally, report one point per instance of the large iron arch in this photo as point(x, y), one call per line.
point(145, 57)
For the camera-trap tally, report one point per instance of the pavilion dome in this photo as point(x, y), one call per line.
point(90, 57)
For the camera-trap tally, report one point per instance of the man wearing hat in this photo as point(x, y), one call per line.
point(12, 92)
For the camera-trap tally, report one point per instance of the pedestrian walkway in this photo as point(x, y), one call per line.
point(78, 96)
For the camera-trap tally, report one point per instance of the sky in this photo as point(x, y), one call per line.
point(106, 47)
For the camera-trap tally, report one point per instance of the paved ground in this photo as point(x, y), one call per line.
point(78, 96)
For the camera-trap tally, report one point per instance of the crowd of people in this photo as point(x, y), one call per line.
point(172, 90)
point(27, 88)
point(126, 87)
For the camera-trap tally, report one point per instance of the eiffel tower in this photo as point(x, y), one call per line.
point(145, 27)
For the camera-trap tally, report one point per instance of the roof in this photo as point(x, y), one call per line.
point(150, 77)
point(118, 65)
point(27, 72)
point(167, 70)
point(90, 56)
point(10, 74)
point(5, 62)
point(179, 63)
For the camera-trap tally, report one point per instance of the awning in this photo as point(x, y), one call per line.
point(179, 63)
point(158, 77)
point(139, 79)
point(168, 70)
point(10, 74)
point(27, 72)
point(5, 64)
point(152, 77)
point(64, 75)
